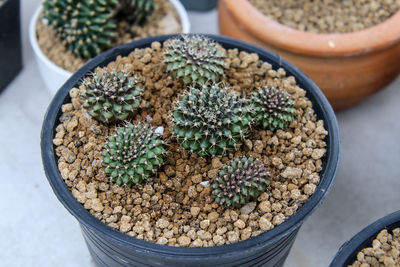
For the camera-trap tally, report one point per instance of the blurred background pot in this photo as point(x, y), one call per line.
point(55, 76)
point(10, 42)
point(347, 67)
point(199, 5)
point(110, 247)
point(347, 253)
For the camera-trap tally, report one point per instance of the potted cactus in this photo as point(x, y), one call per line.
point(348, 54)
point(190, 150)
point(10, 42)
point(65, 34)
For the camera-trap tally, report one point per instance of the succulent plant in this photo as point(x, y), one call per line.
point(132, 154)
point(195, 59)
point(111, 96)
point(86, 27)
point(136, 11)
point(240, 181)
point(210, 120)
point(273, 108)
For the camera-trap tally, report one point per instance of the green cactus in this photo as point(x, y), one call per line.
point(239, 182)
point(273, 108)
point(195, 59)
point(133, 154)
point(210, 120)
point(86, 27)
point(111, 96)
point(136, 11)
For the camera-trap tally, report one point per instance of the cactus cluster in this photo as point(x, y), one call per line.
point(111, 96)
point(136, 11)
point(240, 181)
point(273, 108)
point(132, 154)
point(210, 120)
point(195, 59)
point(88, 27)
point(85, 27)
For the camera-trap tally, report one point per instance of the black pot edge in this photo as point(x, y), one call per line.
point(348, 251)
point(84, 217)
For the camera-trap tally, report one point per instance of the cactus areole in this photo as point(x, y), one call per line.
point(210, 120)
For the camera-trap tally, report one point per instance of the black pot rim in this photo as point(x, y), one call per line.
point(348, 251)
point(84, 217)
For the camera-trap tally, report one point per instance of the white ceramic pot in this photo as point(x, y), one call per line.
point(55, 76)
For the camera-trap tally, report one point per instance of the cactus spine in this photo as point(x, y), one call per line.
point(210, 120)
point(240, 181)
point(85, 27)
point(111, 96)
point(195, 59)
point(137, 11)
point(273, 108)
point(133, 154)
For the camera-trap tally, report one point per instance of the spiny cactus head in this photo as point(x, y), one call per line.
point(85, 27)
point(210, 120)
point(133, 154)
point(136, 11)
point(195, 59)
point(239, 182)
point(111, 96)
point(273, 108)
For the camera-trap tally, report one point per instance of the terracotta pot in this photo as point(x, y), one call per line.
point(347, 67)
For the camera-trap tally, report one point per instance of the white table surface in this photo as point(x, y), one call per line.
point(36, 230)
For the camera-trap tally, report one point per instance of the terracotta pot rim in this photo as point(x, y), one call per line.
point(264, 28)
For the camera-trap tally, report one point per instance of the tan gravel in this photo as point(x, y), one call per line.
point(175, 207)
point(328, 16)
point(385, 251)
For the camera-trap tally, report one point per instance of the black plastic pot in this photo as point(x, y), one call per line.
point(113, 248)
point(10, 42)
point(347, 253)
point(199, 5)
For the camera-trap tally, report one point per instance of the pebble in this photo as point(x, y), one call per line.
point(162, 224)
point(162, 240)
point(265, 206)
point(258, 146)
point(203, 235)
point(218, 240)
point(192, 193)
point(196, 179)
point(204, 224)
point(292, 173)
point(184, 241)
point(68, 155)
point(213, 173)
point(248, 208)
point(233, 237)
point(216, 163)
point(278, 219)
point(197, 243)
point(248, 144)
point(96, 205)
point(195, 211)
point(318, 153)
point(221, 231)
point(213, 216)
point(265, 224)
point(239, 224)
point(309, 189)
